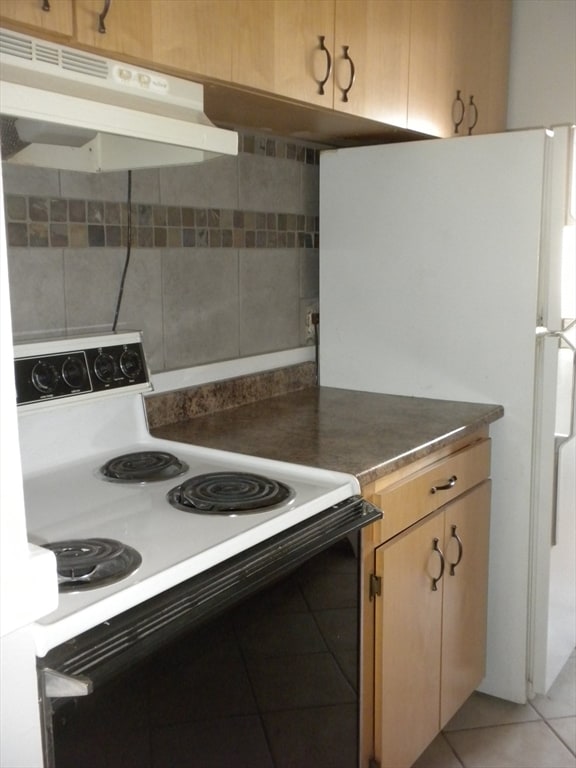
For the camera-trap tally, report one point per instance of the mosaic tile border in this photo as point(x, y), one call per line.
point(40, 222)
point(278, 148)
point(50, 222)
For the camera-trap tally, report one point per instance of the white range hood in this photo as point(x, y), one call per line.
point(67, 109)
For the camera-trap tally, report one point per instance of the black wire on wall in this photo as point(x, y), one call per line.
point(128, 250)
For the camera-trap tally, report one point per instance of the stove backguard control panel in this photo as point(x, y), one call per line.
point(63, 369)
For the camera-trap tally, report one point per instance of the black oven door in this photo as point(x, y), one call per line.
point(113, 650)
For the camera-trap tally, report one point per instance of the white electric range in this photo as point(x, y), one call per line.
point(80, 404)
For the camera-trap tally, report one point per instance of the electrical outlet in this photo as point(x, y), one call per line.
point(311, 321)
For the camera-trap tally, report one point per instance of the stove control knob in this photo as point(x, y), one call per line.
point(45, 378)
point(105, 368)
point(74, 372)
point(130, 363)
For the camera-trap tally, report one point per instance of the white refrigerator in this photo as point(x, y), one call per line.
point(447, 271)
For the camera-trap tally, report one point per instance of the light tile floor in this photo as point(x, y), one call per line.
point(491, 733)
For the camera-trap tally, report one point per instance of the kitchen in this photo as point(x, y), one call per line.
point(271, 176)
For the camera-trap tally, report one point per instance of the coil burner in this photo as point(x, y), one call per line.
point(90, 563)
point(143, 467)
point(230, 493)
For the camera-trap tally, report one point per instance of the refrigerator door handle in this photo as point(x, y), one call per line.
point(560, 440)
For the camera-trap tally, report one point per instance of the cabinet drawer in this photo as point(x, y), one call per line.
point(412, 499)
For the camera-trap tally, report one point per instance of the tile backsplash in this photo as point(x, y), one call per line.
point(223, 260)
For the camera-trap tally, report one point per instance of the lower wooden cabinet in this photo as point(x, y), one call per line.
point(465, 592)
point(424, 633)
point(407, 652)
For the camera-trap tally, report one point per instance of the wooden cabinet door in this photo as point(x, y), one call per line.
point(128, 26)
point(277, 48)
point(185, 37)
point(458, 81)
point(430, 643)
point(376, 34)
point(486, 51)
point(467, 523)
point(195, 37)
point(436, 67)
point(55, 18)
point(408, 625)
point(288, 48)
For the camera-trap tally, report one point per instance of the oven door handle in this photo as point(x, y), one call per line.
point(59, 686)
point(113, 646)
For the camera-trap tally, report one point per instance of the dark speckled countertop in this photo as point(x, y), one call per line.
point(361, 433)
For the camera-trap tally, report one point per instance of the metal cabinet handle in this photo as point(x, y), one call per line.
point(454, 535)
point(346, 57)
point(102, 16)
point(458, 107)
point(46, 5)
point(435, 581)
point(322, 83)
point(445, 485)
point(474, 110)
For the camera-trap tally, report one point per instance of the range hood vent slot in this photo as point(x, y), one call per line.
point(85, 64)
point(16, 46)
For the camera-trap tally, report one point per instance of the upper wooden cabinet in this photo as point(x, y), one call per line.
point(47, 17)
point(191, 38)
point(372, 41)
point(437, 26)
point(437, 67)
point(128, 23)
point(276, 47)
point(486, 63)
point(458, 76)
point(348, 55)
point(195, 38)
